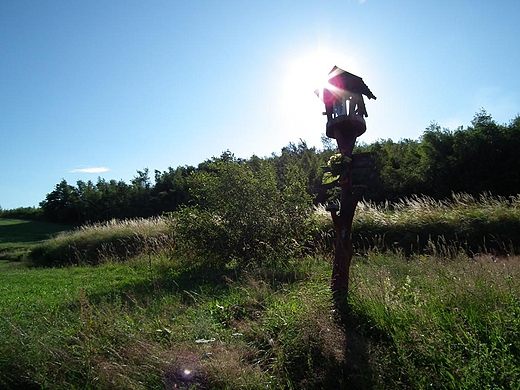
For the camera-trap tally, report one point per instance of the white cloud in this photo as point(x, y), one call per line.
point(90, 170)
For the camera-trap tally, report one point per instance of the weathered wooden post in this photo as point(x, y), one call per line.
point(346, 112)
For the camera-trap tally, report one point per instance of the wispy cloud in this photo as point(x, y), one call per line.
point(90, 170)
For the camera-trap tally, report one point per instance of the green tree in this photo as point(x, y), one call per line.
point(438, 161)
point(309, 161)
point(140, 195)
point(171, 189)
point(60, 205)
point(486, 157)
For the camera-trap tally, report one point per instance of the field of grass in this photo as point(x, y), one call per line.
point(440, 320)
point(110, 240)
point(446, 324)
point(464, 223)
point(17, 236)
point(415, 324)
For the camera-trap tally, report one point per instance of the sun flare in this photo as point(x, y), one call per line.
point(299, 108)
point(308, 74)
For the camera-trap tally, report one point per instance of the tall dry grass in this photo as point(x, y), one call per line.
point(114, 240)
point(462, 224)
point(420, 224)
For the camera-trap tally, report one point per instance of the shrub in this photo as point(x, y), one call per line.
point(242, 216)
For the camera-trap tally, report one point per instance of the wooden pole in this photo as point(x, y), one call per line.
point(343, 227)
point(343, 222)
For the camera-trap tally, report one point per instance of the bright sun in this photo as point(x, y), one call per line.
point(300, 107)
point(307, 74)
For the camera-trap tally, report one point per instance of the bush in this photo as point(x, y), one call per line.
point(242, 216)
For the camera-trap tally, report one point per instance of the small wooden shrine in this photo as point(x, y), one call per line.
point(346, 113)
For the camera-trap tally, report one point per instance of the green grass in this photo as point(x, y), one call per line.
point(47, 321)
point(437, 319)
point(141, 324)
point(414, 324)
point(440, 323)
point(18, 236)
point(111, 240)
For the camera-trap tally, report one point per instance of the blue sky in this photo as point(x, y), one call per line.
point(94, 89)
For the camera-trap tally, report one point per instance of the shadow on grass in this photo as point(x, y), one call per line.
point(188, 283)
point(357, 370)
point(371, 358)
point(12, 230)
point(17, 237)
point(352, 372)
point(192, 282)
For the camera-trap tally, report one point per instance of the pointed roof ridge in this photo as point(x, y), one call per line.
point(348, 81)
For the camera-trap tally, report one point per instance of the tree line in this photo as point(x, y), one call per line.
point(479, 158)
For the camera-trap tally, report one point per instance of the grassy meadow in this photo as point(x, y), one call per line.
point(440, 316)
point(18, 236)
